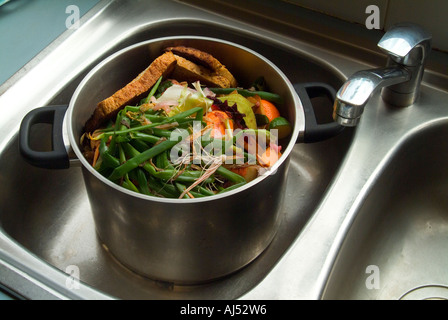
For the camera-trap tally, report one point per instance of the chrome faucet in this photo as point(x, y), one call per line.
point(407, 46)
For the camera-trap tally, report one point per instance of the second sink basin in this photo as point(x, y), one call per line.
point(397, 245)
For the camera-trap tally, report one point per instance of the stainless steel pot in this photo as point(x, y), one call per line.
point(179, 240)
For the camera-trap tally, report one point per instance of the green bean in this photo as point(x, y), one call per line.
point(127, 183)
point(145, 137)
point(161, 132)
point(182, 115)
point(121, 138)
point(132, 109)
point(248, 93)
point(186, 176)
point(143, 182)
point(158, 161)
point(161, 118)
point(166, 162)
point(232, 187)
point(197, 194)
point(108, 160)
point(128, 186)
point(133, 129)
point(194, 194)
point(199, 116)
point(204, 191)
point(148, 114)
point(181, 189)
point(229, 175)
point(140, 158)
point(139, 145)
point(162, 161)
point(153, 90)
point(155, 118)
point(113, 140)
point(121, 154)
point(167, 190)
point(112, 148)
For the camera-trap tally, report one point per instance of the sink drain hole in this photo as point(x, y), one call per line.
point(427, 292)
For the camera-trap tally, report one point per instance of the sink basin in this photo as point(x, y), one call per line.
point(396, 247)
point(46, 213)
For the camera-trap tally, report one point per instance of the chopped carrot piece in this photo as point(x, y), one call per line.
point(269, 157)
point(219, 121)
point(268, 109)
point(96, 155)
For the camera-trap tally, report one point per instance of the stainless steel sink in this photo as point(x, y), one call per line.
point(400, 230)
point(334, 190)
point(46, 215)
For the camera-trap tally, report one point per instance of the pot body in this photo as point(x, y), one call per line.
point(190, 242)
point(184, 240)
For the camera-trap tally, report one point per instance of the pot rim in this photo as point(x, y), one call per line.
point(298, 129)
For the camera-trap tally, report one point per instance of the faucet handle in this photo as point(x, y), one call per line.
point(407, 44)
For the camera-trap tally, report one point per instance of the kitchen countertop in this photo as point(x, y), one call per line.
point(27, 28)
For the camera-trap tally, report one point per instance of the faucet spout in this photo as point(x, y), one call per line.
point(356, 91)
point(407, 46)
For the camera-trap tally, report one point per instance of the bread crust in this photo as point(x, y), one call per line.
point(188, 71)
point(196, 65)
point(133, 91)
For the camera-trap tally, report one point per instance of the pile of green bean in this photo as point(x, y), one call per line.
point(135, 154)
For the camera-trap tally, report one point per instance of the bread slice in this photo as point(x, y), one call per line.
point(133, 91)
point(185, 70)
point(193, 65)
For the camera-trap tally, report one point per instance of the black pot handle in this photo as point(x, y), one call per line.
point(315, 132)
point(57, 158)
